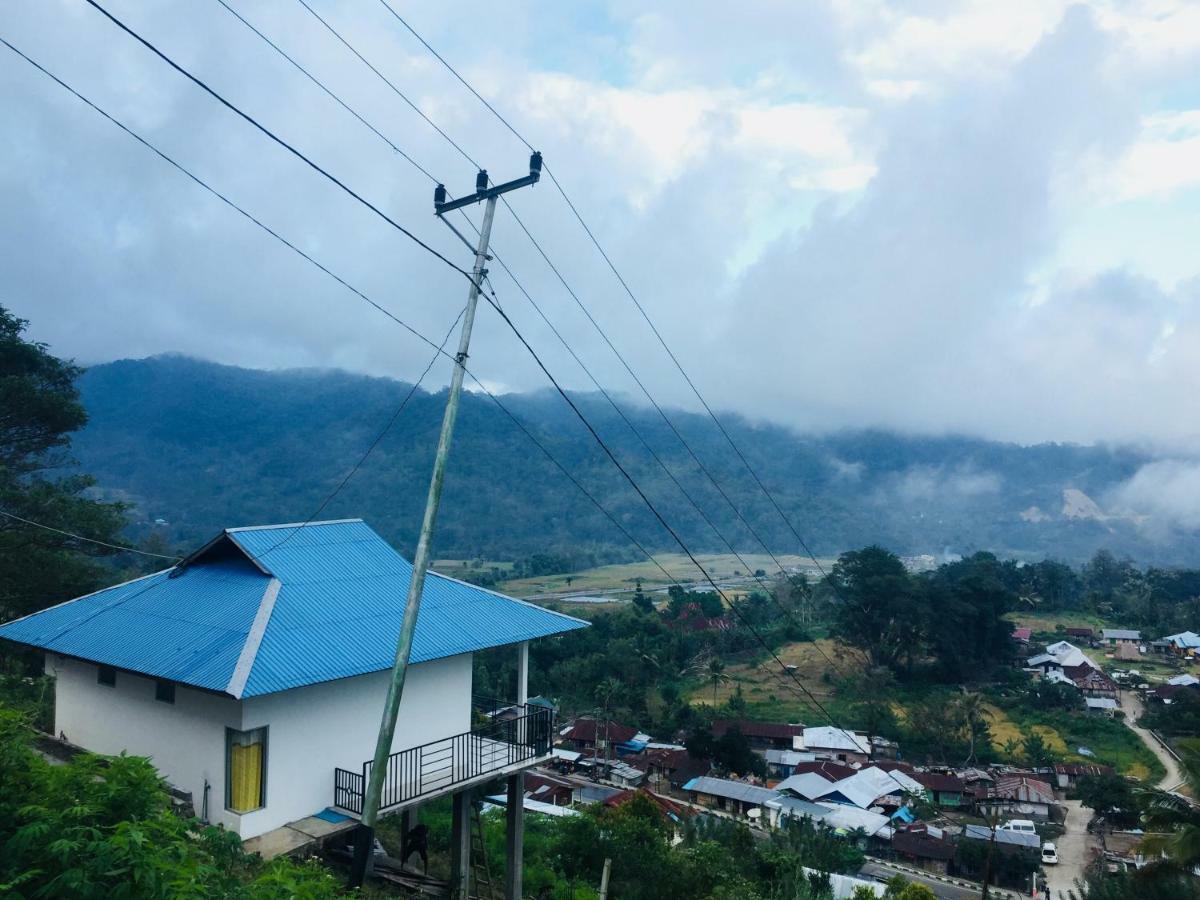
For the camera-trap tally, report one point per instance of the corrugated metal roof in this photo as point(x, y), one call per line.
point(337, 613)
point(733, 790)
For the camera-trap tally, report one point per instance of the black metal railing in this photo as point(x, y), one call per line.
point(441, 764)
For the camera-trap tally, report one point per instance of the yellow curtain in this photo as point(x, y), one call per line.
point(245, 776)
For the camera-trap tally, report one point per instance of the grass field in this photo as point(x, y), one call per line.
point(1049, 622)
point(762, 681)
point(624, 576)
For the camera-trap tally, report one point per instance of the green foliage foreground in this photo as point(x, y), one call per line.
point(101, 827)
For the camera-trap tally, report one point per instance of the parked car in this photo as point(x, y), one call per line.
point(1049, 854)
point(1025, 826)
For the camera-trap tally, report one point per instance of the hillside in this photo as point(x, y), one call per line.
point(202, 446)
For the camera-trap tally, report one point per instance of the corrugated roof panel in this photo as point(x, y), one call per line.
point(188, 629)
point(337, 614)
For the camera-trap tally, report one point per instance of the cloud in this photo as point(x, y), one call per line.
point(839, 214)
point(924, 484)
point(1166, 491)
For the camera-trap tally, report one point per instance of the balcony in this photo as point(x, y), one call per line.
point(508, 738)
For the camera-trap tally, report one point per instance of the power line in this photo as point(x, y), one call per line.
point(341, 281)
point(575, 297)
point(511, 275)
point(624, 284)
point(733, 606)
point(440, 351)
point(403, 96)
point(331, 94)
point(224, 199)
point(566, 285)
point(80, 537)
point(274, 137)
point(495, 304)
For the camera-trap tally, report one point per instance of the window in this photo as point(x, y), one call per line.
point(106, 675)
point(245, 769)
point(164, 691)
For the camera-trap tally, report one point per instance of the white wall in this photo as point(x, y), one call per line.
point(184, 740)
point(325, 726)
point(312, 730)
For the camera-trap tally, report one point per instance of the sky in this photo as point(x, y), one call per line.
point(926, 215)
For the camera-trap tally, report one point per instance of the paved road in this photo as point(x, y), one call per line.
point(879, 871)
point(1131, 705)
point(1076, 849)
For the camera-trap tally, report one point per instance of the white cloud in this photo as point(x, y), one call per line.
point(1167, 492)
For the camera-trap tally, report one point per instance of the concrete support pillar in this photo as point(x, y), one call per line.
point(460, 847)
point(523, 672)
point(515, 833)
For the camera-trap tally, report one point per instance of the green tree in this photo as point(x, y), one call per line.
point(39, 411)
point(1110, 796)
point(876, 610)
point(714, 674)
point(973, 712)
point(100, 827)
point(1036, 751)
point(1173, 820)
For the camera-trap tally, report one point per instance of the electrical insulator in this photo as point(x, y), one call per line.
point(535, 163)
point(481, 182)
point(439, 195)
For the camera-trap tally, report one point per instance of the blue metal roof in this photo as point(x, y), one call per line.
point(265, 609)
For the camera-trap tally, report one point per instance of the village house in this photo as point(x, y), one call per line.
point(1115, 636)
point(919, 847)
point(734, 797)
point(672, 769)
point(1081, 633)
point(834, 743)
point(1092, 682)
point(253, 674)
point(593, 736)
point(761, 736)
point(1019, 794)
point(1068, 774)
point(1186, 643)
point(1101, 706)
point(782, 763)
point(941, 789)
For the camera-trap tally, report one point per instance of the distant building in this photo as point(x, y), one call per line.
point(834, 743)
point(1068, 774)
point(782, 763)
point(760, 735)
point(589, 735)
point(733, 797)
point(942, 789)
point(1105, 706)
point(921, 849)
point(1114, 636)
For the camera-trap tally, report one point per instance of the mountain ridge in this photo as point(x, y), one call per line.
point(205, 446)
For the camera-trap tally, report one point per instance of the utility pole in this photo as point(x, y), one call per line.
point(364, 841)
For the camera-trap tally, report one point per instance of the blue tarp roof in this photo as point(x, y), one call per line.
point(265, 609)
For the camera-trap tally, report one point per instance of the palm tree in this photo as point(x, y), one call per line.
point(973, 711)
point(1173, 818)
point(715, 672)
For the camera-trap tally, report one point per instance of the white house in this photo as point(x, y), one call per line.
point(834, 743)
point(254, 672)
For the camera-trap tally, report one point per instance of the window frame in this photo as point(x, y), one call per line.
point(164, 691)
point(262, 787)
point(110, 672)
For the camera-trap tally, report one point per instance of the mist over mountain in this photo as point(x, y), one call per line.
point(202, 446)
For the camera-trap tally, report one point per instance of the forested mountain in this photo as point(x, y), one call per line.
point(202, 446)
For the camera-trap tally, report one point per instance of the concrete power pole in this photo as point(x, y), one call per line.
point(364, 840)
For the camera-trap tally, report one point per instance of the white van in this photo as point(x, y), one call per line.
point(1049, 854)
point(1025, 826)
